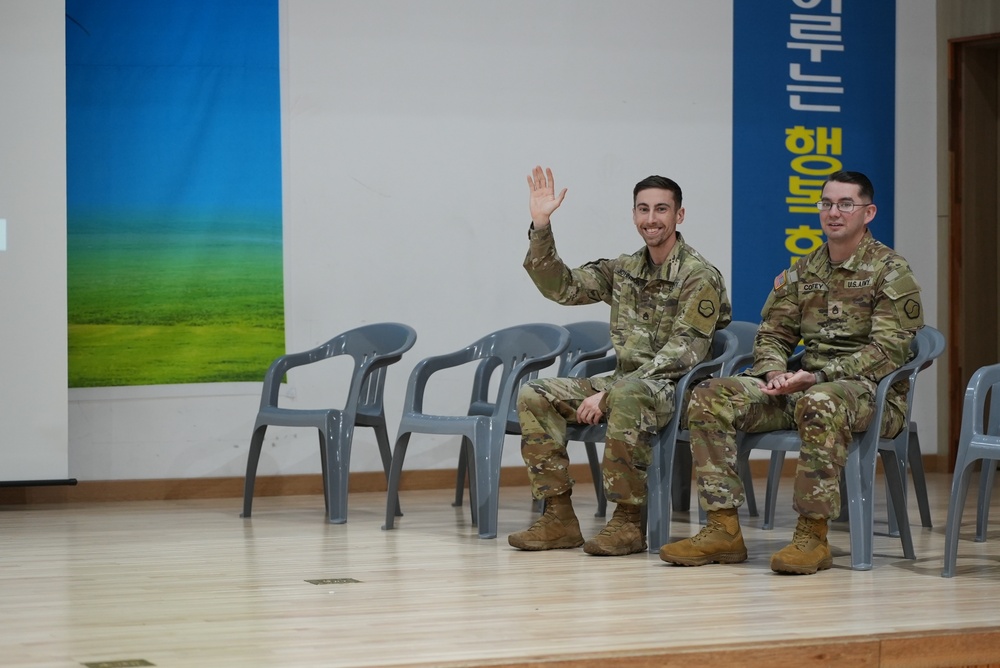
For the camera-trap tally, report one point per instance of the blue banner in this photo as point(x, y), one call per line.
point(813, 93)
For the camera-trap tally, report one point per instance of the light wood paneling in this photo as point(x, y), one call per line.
point(190, 583)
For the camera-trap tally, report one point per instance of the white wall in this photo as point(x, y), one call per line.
point(408, 129)
point(916, 201)
point(33, 396)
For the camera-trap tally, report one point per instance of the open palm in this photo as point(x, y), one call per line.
point(543, 200)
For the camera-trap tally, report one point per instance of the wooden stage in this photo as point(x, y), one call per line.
point(189, 583)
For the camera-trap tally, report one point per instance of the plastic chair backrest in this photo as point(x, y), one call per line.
point(373, 347)
point(981, 428)
point(510, 346)
point(386, 341)
point(925, 346)
point(935, 343)
point(745, 332)
point(588, 339)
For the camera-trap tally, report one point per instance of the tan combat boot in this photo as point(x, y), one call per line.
point(622, 535)
point(808, 552)
point(556, 528)
point(720, 541)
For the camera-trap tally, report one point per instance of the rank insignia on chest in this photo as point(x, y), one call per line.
point(835, 310)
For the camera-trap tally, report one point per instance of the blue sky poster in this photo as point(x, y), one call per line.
point(173, 191)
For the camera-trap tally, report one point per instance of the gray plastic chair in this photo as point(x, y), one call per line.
point(373, 348)
point(907, 444)
point(858, 477)
point(911, 458)
point(588, 339)
point(745, 332)
point(985, 492)
point(979, 440)
point(520, 351)
point(668, 478)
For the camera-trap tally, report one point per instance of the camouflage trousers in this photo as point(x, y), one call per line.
point(825, 416)
point(636, 410)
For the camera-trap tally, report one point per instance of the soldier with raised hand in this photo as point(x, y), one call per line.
point(854, 304)
point(666, 302)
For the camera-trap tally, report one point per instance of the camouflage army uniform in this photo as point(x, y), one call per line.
point(662, 323)
point(856, 321)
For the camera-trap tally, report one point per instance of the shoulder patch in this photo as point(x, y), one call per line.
point(904, 292)
point(780, 279)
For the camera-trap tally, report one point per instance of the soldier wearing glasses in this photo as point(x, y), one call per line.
point(855, 306)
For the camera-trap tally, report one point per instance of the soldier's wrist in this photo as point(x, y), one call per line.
point(819, 376)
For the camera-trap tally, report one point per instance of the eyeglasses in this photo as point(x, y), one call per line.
point(844, 207)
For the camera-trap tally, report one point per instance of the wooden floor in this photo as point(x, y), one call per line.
point(190, 583)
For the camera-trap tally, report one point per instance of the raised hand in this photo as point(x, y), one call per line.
point(543, 200)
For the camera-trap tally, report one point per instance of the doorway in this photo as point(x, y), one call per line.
point(974, 276)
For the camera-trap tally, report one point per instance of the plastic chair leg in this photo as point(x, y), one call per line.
point(743, 467)
point(382, 438)
point(895, 484)
point(395, 473)
point(983, 499)
point(680, 488)
point(460, 474)
point(595, 472)
point(325, 468)
point(256, 443)
point(658, 498)
point(773, 480)
point(487, 474)
point(916, 466)
point(891, 494)
point(860, 478)
point(956, 504)
point(470, 461)
point(337, 444)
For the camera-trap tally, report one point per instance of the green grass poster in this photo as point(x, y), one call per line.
point(173, 191)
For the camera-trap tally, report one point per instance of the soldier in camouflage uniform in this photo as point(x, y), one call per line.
point(666, 302)
point(855, 305)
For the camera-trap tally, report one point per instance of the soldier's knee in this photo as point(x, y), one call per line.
point(816, 407)
point(707, 384)
point(705, 396)
point(630, 392)
point(529, 397)
point(706, 388)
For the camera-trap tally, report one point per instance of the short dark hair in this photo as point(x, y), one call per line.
point(661, 182)
point(858, 179)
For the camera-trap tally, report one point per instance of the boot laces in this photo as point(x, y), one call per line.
point(617, 521)
point(708, 531)
point(803, 535)
point(548, 517)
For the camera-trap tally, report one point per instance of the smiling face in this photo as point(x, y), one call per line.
point(657, 216)
point(844, 230)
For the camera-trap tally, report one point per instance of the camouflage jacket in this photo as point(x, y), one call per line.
point(662, 320)
point(856, 320)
